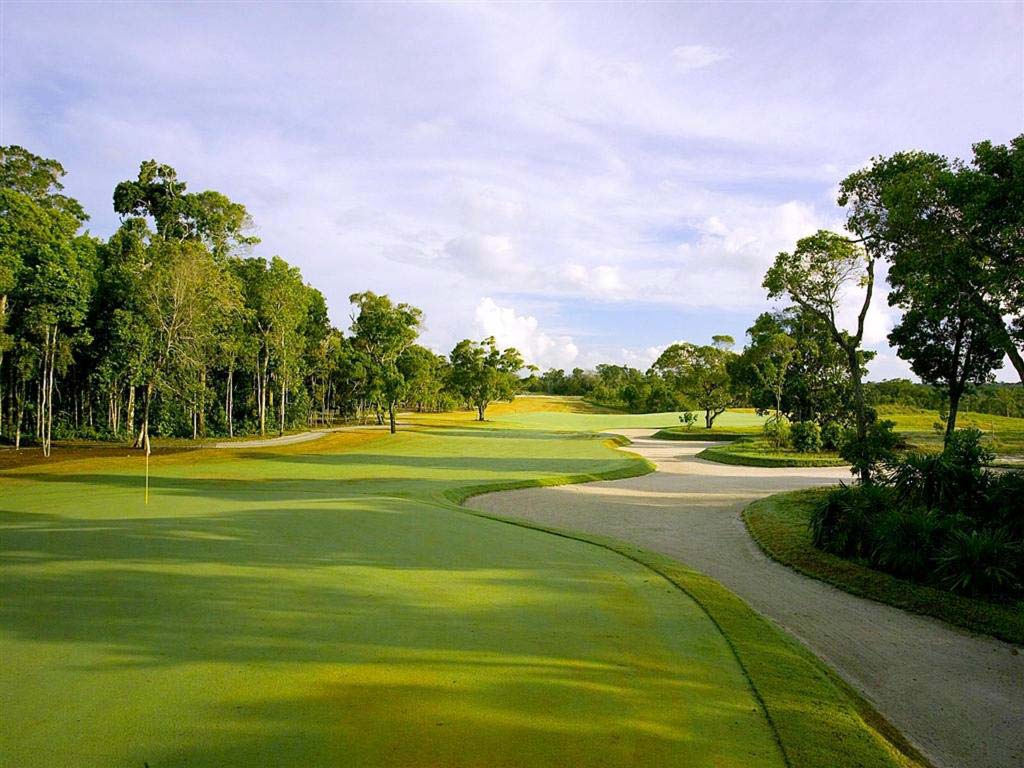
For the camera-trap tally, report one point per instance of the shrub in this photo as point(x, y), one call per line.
point(944, 519)
point(688, 419)
point(907, 541)
point(877, 448)
point(845, 522)
point(832, 435)
point(806, 437)
point(980, 563)
point(776, 432)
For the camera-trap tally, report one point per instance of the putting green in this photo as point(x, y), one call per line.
point(324, 604)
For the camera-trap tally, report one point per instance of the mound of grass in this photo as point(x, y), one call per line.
point(752, 452)
point(698, 435)
point(779, 524)
point(1005, 434)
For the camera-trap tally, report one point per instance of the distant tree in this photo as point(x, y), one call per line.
point(382, 331)
point(700, 373)
point(766, 365)
point(482, 373)
point(815, 276)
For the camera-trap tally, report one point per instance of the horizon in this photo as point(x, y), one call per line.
point(587, 183)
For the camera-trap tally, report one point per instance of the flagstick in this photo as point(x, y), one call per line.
point(147, 469)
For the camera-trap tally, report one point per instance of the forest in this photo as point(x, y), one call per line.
point(175, 327)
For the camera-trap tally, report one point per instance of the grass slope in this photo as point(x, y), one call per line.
point(780, 525)
point(751, 452)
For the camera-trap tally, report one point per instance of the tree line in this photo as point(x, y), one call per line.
point(173, 327)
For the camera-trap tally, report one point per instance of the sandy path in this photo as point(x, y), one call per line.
point(959, 697)
point(299, 437)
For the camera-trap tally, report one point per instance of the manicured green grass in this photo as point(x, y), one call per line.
point(780, 525)
point(752, 452)
point(327, 603)
point(575, 415)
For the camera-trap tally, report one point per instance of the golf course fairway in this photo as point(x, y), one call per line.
point(328, 604)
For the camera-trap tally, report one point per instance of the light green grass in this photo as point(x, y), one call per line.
point(780, 524)
point(328, 604)
point(1005, 434)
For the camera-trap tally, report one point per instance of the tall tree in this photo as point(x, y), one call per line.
point(482, 373)
point(815, 276)
point(382, 331)
point(183, 297)
point(948, 344)
point(949, 223)
point(46, 273)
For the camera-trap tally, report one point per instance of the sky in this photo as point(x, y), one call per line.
point(587, 182)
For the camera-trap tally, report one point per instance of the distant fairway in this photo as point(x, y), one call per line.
point(323, 605)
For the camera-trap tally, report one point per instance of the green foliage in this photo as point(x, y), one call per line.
point(806, 436)
point(941, 519)
point(781, 526)
point(482, 373)
point(700, 374)
point(877, 448)
point(776, 432)
point(832, 433)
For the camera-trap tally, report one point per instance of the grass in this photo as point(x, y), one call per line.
point(328, 603)
point(1005, 433)
point(780, 526)
point(752, 452)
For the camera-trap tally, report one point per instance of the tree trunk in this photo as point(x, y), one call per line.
point(391, 417)
point(708, 418)
point(858, 407)
point(480, 409)
point(129, 416)
point(284, 392)
point(202, 402)
point(955, 393)
point(142, 441)
point(19, 414)
point(228, 402)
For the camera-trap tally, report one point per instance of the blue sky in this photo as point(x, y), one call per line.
point(587, 182)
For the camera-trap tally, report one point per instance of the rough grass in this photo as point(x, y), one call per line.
point(326, 603)
point(1005, 434)
point(779, 524)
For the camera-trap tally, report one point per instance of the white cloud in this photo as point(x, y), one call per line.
point(522, 332)
point(687, 57)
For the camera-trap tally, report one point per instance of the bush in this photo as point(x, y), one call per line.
point(980, 563)
point(907, 540)
point(876, 449)
point(846, 522)
point(688, 419)
point(776, 432)
point(943, 519)
point(806, 437)
point(832, 435)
